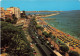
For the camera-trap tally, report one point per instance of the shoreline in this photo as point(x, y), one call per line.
point(64, 31)
point(49, 15)
point(60, 30)
point(73, 42)
point(54, 27)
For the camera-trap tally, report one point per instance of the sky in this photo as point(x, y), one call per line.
point(42, 5)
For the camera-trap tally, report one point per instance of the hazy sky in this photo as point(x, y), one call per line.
point(37, 5)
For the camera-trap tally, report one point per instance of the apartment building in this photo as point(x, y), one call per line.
point(8, 14)
point(2, 14)
point(15, 11)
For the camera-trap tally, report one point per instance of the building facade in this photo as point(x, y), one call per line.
point(8, 14)
point(2, 14)
point(15, 11)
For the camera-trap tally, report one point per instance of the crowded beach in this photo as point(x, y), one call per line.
point(74, 44)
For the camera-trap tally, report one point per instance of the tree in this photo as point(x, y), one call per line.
point(23, 15)
point(39, 27)
point(64, 48)
point(14, 19)
point(34, 23)
point(50, 34)
point(62, 43)
point(54, 38)
point(73, 53)
point(46, 34)
point(13, 16)
point(1, 19)
point(8, 20)
point(14, 38)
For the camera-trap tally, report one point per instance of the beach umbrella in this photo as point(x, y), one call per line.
point(71, 48)
point(68, 35)
point(77, 45)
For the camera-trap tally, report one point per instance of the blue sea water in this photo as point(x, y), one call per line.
point(67, 21)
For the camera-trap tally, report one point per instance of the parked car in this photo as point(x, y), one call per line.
point(33, 37)
point(36, 36)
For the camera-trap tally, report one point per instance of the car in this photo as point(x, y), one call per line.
point(34, 52)
point(36, 36)
point(30, 43)
point(33, 37)
point(33, 42)
point(35, 33)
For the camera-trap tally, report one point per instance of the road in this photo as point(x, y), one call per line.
point(42, 47)
point(25, 26)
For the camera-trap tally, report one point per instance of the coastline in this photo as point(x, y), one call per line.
point(54, 27)
point(49, 15)
point(67, 33)
point(60, 35)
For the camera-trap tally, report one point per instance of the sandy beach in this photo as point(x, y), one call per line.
point(74, 44)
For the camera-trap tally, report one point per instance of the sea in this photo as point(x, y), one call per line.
point(66, 21)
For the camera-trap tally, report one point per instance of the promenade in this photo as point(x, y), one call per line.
point(74, 44)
